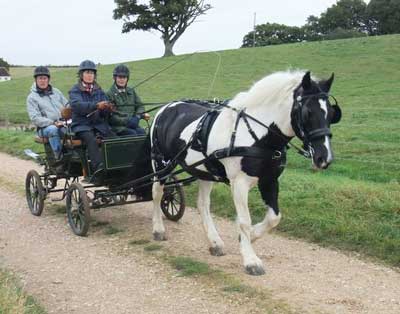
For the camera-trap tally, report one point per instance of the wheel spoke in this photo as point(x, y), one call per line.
point(176, 200)
point(174, 207)
point(34, 202)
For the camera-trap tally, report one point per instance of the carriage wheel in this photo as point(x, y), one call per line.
point(35, 193)
point(173, 201)
point(78, 209)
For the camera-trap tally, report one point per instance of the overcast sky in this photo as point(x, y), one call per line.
point(60, 32)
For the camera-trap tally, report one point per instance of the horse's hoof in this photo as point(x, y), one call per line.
point(216, 251)
point(159, 236)
point(255, 270)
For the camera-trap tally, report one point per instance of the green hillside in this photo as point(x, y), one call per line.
point(356, 203)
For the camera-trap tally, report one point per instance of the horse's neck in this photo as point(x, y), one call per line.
point(275, 113)
point(224, 126)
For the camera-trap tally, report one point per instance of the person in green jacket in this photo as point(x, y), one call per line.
point(128, 106)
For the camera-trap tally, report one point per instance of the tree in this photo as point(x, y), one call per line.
point(345, 14)
point(170, 17)
point(4, 64)
point(385, 14)
point(313, 29)
point(274, 34)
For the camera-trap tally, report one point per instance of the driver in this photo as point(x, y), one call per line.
point(90, 111)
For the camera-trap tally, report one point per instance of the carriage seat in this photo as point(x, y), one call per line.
point(73, 142)
point(68, 142)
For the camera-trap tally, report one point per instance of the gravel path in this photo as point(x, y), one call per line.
point(103, 274)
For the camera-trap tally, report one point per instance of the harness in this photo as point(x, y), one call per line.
point(199, 140)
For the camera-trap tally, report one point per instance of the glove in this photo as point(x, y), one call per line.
point(145, 116)
point(102, 105)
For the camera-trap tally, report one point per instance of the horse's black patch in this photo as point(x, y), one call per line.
point(166, 138)
point(272, 165)
point(269, 169)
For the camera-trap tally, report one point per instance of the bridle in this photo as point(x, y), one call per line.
point(298, 120)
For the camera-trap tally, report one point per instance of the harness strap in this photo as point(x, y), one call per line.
point(239, 151)
point(319, 133)
point(233, 136)
point(252, 133)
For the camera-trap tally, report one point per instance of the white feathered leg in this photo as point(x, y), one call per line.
point(270, 221)
point(240, 189)
point(158, 224)
point(203, 204)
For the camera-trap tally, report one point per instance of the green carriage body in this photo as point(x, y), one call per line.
point(124, 152)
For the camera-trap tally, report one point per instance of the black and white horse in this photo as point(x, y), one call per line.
point(251, 134)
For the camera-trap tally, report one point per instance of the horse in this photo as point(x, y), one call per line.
point(245, 145)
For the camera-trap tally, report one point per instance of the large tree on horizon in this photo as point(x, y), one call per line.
point(169, 17)
point(345, 14)
point(385, 14)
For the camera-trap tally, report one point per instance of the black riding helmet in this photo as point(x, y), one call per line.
point(41, 70)
point(87, 65)
point(121, 70)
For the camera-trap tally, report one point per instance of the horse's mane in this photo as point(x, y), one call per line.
point(275, 88)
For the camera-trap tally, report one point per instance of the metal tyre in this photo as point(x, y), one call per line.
point(173, 201)
point(35, 193)
point(78, 209)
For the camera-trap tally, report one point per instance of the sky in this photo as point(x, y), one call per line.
point(60, 32)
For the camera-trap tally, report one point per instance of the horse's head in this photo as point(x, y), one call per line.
point(311, 116)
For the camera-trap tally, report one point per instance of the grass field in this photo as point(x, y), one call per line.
point(355, 204)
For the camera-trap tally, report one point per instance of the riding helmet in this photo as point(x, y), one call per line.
point(41, 70)
point(87, 65)
point(121, 70)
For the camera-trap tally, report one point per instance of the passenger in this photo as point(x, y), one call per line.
point(129, 108)
point(90, 112)
point(44, 105)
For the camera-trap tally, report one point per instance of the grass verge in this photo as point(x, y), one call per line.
point(228, 285)
point(13, 300)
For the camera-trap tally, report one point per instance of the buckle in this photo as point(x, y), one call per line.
point(277, 154)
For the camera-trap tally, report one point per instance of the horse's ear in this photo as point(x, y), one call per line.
point(326, 85)
point(306, 82)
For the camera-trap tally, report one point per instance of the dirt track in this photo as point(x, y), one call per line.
point(103, 274)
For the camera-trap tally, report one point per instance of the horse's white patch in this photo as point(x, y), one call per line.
point(174, 104)
point(324, 107)
point(327, 144)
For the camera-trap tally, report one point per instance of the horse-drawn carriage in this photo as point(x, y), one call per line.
point(125, 159)
point(242, 143)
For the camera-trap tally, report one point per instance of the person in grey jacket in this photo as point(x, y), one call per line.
point(44, 105)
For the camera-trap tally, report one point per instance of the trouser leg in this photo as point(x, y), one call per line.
point(140, 131)
point(52, 133)
point(89, 139)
